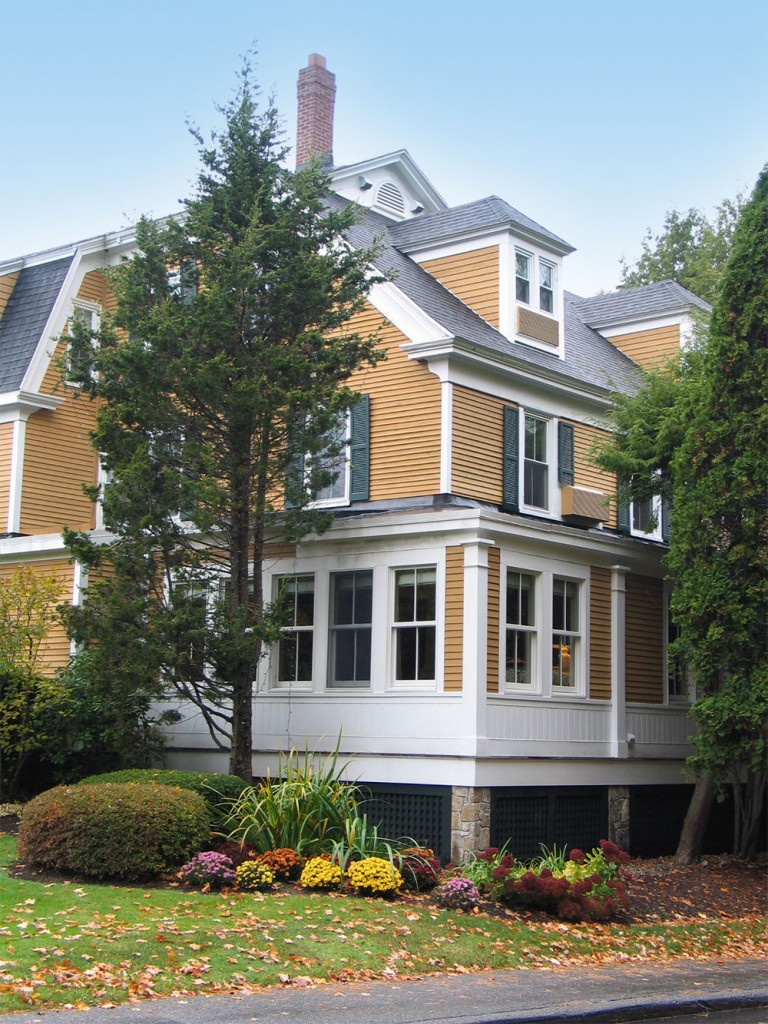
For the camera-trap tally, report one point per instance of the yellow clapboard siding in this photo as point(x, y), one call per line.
point(6, 452)
point(644, 639)
point(454, 619)
point(494, 612)
point(7, 284)
point(58, 460)
point(477, 449)
point(650, 348)
point(586, 474)
point(54, 651)
point(405, 416)
point(600, 634)
point(473, 277)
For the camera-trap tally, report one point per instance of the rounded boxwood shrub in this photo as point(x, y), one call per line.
point(218, 791)
point(114, 830)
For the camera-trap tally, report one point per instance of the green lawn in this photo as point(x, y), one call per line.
point(83, 944)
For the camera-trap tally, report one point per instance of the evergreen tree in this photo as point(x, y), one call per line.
point(698, 431)
point(225, 366)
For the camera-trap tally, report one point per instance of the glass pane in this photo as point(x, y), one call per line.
point(642, 515)
point(304, 657)
point(565, 605)
point(344, 655)
point(521, 265)
point(343, 598)
point(305, 607)
point(363, 655)
point(518, 664)
point(522, 290)
point(405, 607)
point(406, 653)
point(426, 655)
point(426, 594)
point(520, 599)
point(546, 300)
point(535, 485)
point(562, 660)
point(545, 275)
point(286, 672)
point(535, 439)
point(363, 597)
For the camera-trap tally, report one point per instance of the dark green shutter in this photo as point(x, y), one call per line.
point(565, 470)
point(623, 509)
point(360, 450)
point(510, 499)
point(665, 517)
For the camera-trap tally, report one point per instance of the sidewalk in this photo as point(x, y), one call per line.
point(560, 996)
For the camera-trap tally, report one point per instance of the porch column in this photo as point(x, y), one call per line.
point(619, 745)
point(475, 656)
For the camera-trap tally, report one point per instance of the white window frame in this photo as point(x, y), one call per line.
point(337, 501)
point(534, 282)
point(81, 306)
point(655, 508)
point(335, 629)
point(292, 628)
point(396, 626)
point(551, 288)
point(533, 686)
point(545, 572)
point(521, 254)
point(575, 655)
point(551, 510)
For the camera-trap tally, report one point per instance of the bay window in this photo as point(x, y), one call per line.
point(415, 617)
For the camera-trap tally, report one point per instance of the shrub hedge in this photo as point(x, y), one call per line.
point(217, 790)
point(114, 830)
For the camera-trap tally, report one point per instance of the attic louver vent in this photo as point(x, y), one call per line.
point(389, 197)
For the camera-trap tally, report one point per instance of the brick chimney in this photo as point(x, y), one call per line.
point(316, 93)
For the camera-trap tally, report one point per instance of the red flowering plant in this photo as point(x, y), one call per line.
point(419, 868)
point(580, 887)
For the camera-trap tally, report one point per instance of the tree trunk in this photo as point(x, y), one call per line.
point(696, 821)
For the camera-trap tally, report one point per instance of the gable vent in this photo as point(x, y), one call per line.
point(390, 198)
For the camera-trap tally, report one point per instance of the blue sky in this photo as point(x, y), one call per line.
point(594, 118)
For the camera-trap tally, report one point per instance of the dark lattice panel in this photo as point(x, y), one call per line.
point(421, 813)
point(656, 815)
point(523, 819)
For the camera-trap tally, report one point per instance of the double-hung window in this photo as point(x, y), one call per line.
point(350, 629)
point(566, 634)
point(190, 609)
point(536, 462)
point(546, 287)
point(334, 461)
point(521, 630)
point(522, 277)
point(344, 463)
point(83, 325)
point(415, 624)
point(295, 647)
point(534, 277)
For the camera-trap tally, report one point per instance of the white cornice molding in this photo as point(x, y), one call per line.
point(16, 405)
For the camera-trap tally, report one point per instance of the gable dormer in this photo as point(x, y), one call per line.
point(391, 184)
point(502, 264)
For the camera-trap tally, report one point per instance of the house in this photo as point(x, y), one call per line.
point(482, 627)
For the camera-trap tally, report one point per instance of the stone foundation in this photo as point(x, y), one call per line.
point(618, 816)
point(470, 821)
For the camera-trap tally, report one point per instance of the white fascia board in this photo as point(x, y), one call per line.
point(467, 241)
point(43, 545)
point(406, 315)
point(123, 238)
point(634, 325)
point(403, 163)
point(15, 405)
point(46, 344)
point(506, 376)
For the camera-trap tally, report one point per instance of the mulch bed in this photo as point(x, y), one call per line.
point(717, 887)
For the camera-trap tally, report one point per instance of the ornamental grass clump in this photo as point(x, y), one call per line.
point(458, 894)
point(321, 873)
point(374, 876)
point(254, 876)
point(208, 870)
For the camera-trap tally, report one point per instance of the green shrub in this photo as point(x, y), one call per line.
point(114, 830)
point(218, 791)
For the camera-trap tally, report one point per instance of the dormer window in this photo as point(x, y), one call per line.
point(522, 277)
point(546, 287)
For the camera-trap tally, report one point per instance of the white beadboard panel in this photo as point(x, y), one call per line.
point(548, 722)
point(660, 731)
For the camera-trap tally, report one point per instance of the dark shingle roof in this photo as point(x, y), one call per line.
point(483, 213)
point(662, 297)
point(589, 358)
point(25, 318)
